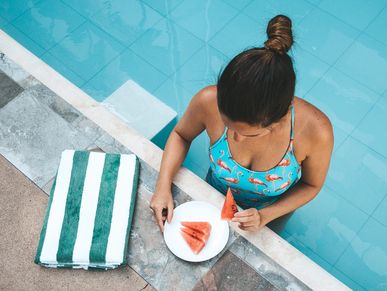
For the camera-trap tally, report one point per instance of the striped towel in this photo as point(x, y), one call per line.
point(89, 212)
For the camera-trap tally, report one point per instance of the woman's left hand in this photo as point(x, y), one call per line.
point(250, 219)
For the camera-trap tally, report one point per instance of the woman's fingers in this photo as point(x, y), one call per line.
point(249, 226)
point(170, 211)
point(160, 204)
point(159, 218)
point(246, 212)
point(243, 218)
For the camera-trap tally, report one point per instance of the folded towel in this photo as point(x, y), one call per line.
point(89, 212)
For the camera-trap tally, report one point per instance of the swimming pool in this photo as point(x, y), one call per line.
point(174, 48)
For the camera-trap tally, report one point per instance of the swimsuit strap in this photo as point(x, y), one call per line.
point(292, 125)
point(224, 135)
point(292, 131)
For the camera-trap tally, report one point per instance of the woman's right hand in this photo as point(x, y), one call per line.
point(162, 199)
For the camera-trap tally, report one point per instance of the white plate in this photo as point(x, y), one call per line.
point(196, 211)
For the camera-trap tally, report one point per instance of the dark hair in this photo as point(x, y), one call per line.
point(257, 86)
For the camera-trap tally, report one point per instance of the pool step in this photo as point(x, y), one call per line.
point(142, 111)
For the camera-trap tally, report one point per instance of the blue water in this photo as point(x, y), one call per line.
point(175, 48)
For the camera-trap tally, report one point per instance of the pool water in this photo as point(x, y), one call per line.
point(174, 48)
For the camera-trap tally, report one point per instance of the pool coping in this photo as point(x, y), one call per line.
point(275, 247)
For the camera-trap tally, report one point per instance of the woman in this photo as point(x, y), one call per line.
point(270, 147)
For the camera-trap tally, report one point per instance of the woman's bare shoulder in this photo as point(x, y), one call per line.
point(208, 95)
point(316, 125)
point(207, 101)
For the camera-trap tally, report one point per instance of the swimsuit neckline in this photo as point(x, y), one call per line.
point(239, 165)
point(288, 149)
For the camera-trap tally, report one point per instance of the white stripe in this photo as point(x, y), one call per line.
point(58, 205)
point(120, 215)
point(88, 207)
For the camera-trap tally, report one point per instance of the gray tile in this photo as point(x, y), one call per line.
point(109, 145)
point(231, 273)
point(55, 103)
point(95, 149)
point(47, 188)
point(66, 111)
point(88, 128)
point(32, 136)
point(265, 266)
point(16, 73)
point(149, 256)
point(9, 89)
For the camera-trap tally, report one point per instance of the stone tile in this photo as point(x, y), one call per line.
point(55, 103)
point(45, 95)
point(16, 73)
point(149, 256)
point(8, 89)
point(47, 188)
point(265, 266)
point(22, 207)
point(88, 128)
point(32, 136)
point(95, 149)
point(110, 145)
point(231, 273)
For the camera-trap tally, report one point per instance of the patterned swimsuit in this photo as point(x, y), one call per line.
point(252, 189)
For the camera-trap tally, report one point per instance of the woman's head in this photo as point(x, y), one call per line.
point(257, 86)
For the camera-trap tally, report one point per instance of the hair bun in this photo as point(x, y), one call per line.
point(279, 32)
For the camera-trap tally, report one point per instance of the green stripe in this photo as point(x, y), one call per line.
point(44, 228)
point(132, 206)
point(73, 204)
point(104, 211)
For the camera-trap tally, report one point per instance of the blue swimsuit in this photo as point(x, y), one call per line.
point(252, 189)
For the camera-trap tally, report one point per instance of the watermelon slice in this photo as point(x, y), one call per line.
point(203, 227)
point(229, 207)
point(195, 234)
point(195, 244)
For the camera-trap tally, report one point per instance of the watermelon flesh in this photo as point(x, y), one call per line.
point(195, 234)
point(203, 227)
point(195, 244)
point(229, 206)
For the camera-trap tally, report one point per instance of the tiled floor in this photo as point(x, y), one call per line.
point(174, 48)
point(8, 89)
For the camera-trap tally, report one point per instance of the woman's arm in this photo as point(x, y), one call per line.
point(189, 126)
point(314, 171)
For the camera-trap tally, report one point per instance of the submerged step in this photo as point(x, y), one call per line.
point(140, 109)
